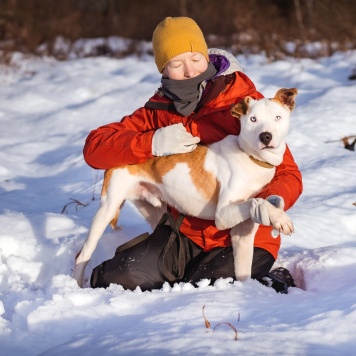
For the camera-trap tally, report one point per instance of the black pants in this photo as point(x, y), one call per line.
point(150, 262)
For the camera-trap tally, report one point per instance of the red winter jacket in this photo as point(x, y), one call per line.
point(129, 142)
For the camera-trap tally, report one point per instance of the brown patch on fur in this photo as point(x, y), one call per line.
point(286, 97)
point(241, 108)
point(156, 168)
point(104, 189)
point(106, 182)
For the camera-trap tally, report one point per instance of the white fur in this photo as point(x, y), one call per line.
point(239, 180)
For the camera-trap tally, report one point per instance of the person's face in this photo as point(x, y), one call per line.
point(185, 66)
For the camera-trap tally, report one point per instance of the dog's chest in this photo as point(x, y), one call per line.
point(247, 178)
point(238, 175)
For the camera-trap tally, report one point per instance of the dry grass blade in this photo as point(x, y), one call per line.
point(228, 324)
point(96, 180)
point(207, 323)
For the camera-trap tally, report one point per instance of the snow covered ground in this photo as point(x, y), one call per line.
point(47, 108)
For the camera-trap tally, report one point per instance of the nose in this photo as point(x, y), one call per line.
point(189, 71)
point(266, 138)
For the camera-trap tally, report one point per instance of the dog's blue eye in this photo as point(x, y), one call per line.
point(253, 118)
point(278, 117)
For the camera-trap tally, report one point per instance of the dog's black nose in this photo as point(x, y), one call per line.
point(266, 138)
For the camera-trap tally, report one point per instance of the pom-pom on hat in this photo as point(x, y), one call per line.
point(174, 36)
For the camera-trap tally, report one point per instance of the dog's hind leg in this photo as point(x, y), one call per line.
point(108, 211)
point(105, 214)
point(242, 238)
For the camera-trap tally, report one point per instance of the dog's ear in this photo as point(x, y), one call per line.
point(241, 108)
point(286, 97)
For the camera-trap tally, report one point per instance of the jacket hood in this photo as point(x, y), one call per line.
point(224, 62)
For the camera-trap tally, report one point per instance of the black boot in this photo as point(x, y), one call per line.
point(281, 280)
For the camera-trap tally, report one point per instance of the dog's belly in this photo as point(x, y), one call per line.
point(191, 204)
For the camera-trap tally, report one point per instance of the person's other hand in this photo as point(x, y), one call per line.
point(173, 139)
point(277, 201)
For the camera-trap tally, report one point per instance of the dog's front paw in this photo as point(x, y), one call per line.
point(281, 222)
point(279, 219)
point(265, 213)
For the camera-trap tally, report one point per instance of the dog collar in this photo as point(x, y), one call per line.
point(261, 163)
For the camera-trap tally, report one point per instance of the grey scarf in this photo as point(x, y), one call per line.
point(185, 93)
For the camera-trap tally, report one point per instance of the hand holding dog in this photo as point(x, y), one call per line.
point(173, 139)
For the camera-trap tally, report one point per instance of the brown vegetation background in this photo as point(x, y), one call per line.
point(243, 26)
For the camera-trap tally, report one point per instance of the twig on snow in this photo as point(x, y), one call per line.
point(207, 323)
point(96, 180)
point(231, 326)
point(345, 141)
point(73, 201)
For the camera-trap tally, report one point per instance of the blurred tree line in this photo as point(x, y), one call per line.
point(246, 26)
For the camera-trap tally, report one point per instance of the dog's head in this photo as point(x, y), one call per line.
point(265, 124)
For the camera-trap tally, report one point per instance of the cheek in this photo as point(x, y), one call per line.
point(175, 74)
point(202, 66)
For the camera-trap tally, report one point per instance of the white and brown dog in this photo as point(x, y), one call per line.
point(215, 182)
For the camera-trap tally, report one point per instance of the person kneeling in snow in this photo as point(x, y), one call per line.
point(192, 105)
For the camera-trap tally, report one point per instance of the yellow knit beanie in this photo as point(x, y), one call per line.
point(174, 36)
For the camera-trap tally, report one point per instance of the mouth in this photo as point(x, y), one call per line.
point(268, 148)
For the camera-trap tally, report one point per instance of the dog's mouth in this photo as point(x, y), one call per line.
point(268, 147)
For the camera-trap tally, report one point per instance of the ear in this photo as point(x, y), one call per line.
point(241, 108)
point(286, 97)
